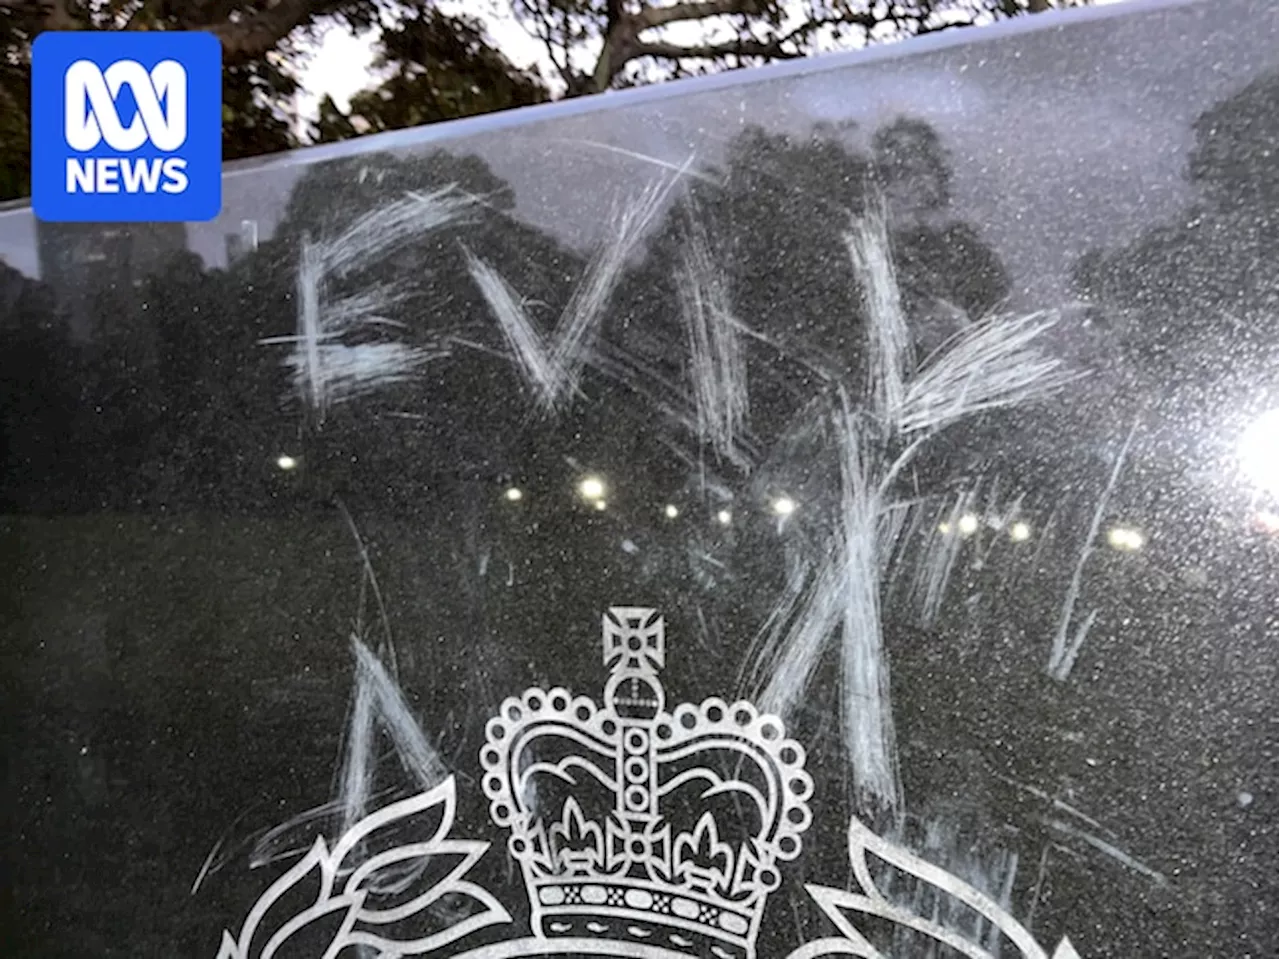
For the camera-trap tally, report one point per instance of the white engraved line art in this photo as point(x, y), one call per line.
point(647, 861)
point(871, 902)
point(354, 893)
point(645, 879)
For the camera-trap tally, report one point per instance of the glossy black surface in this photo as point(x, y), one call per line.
point(177, 607)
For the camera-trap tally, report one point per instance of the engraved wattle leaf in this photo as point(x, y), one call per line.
point(302, 888)
point(229, 949)
point(430, 812)
point(838, 904)
point(1065, 950)
point(409, 877)
point(322, 931)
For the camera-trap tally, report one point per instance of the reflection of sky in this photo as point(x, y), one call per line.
point(1060, 142)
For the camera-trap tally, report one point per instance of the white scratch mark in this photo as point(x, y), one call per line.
point(867, 710)
point(539, 364)
point(295, 837)
point(1055, 802)
point(810, 610)
point(1119, 855)
point(993, 364)
point(988, 365)
point(844, 598)
point(1063, 654)
point(717, 362)
point(938, 553)
point(381, 230)
point(1035, 890)
point(553, 364)
point(204, 870)
point(333, 360)
point(347, 372)
point(771, 635)
point(890, 340)
point(684, 169)
point(378, 696)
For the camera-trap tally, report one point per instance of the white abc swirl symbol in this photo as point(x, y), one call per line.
point(90, 106)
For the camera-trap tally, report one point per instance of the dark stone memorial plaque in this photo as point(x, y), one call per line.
point(823, 510)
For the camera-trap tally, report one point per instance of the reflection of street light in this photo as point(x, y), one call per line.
point(968, 524)
point(592, 488)
point(601, 505)
point(1258, 452)
point(1124, 538)
point(944, 529)
point(724, 517)
point(1019, 532)
point(670, 512)
point(286, 462)
point(784, 506)
point(514, 495)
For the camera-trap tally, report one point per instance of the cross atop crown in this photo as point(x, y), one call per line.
point(634, 640)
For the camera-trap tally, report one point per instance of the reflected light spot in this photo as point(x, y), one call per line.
point(286, 462)
point(670, 512)
point(1124, 538)
point(601, 504)
point(724, 517)
point(1267, 522)
point(1259, 452)
point(592, 488)
point(1019, 532)
point(514, 495)
point(944, 529)
point(968, 524)
point(784, 506)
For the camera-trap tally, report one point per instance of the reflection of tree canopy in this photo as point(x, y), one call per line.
point(179, 406)
point(1192, 305)
point(182, 357)
point(1193, 302)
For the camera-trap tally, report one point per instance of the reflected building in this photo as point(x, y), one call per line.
point(242, 242)
point(82, 261)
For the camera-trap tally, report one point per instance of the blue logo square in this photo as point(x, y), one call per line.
point(126, 126)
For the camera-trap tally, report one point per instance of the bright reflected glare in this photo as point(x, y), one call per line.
point(1124, 538)
point(286, 462)
point(1019, 532)
point(968, 524)
point(724, 517)
point(601, 504)
point(1267, 522)
point(591, 488)
point(670, 512)
point(514, 495)
point(784, 506)
point(944, 529)
point(1259, 452)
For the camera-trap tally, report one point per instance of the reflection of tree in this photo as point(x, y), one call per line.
point(488, 596)
point(39, 378)
point(1193, 302)
point(1192, 305)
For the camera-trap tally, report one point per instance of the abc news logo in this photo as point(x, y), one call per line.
point(126, 127)
point(92, 118)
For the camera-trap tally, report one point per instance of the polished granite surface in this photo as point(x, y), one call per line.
point(928, 396)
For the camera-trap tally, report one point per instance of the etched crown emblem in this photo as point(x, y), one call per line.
point(637, 823)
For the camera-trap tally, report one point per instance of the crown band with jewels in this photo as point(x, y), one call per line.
point(634, 823)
